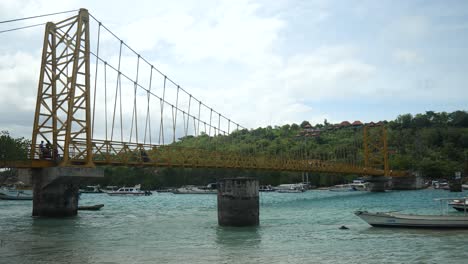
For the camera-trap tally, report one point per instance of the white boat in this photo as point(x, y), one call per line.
point(91, 189)
point(465, 186)
point(360, 185)
point(460, 204)
point(393, 219)
point(265, 188)
point(129, 191)
point(343, 188)
point(109, 189)
point(191, 189)
point(356, 185)
point(15, 194)
point(410, 220)
point(290, 188)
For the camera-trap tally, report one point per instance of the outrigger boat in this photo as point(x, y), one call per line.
point(130, 191)
point(460, 204)
point(95, 207)
point(191, 189)
point(15, 194)
point(393, 219)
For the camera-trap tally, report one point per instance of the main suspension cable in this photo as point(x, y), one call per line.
point(31, 17)
point(18, 28)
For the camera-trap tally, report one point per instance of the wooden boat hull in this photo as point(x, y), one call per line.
point(23, 198)
point(14, 194)
point(416, 221)
point(91, 207)
point(460, 207)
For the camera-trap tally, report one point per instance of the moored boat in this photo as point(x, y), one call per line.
point(266, 188)
point(391, 219)
point(460, 204)
point(91, 189)
point(108, 189)
point(343, 188)
point(290, 188)
point(95, 207)
point(191, 189)
point(129, 191)
point(16, 194)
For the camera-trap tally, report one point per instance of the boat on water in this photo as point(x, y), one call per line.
point(91, 189)
point(394, 219)
point(343, 188)
point(130, 191)
point(266, 188)
point(191, 189)
point(108, 189)
point(95, 207)
point(15, 194)
point(356, 185)
point(460, 204)
point(290, 188)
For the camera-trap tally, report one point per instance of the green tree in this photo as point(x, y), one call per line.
point(13, 148)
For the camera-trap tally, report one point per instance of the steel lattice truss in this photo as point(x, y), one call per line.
point(63, 100)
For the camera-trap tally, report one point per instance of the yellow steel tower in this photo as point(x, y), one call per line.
point(63, 100)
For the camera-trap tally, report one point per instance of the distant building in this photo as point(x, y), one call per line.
point(310, 131)
point(357, 123)
point(344, 124)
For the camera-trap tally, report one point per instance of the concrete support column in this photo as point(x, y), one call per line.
point(56, 190)
point(455, 185)
point(414, 182)
point(377, 183)
point(238, 202)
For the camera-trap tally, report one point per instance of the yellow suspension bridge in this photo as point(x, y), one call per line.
point(95, 107)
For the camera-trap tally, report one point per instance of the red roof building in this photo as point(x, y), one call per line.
point(344, 124)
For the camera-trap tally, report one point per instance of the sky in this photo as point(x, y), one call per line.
point(265, 62)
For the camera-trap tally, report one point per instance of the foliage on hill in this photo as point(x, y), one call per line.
point(13, 148)
point(434, 143)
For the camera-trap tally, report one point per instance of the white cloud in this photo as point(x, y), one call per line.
point(326, 72)
point(407, 57)
point(406, 30)
point(227, 32)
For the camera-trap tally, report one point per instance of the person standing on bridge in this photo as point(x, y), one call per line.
point(42, 149)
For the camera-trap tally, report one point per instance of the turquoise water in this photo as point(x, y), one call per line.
point(168, 228)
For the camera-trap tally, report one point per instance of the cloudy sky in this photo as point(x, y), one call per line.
point(268, 62)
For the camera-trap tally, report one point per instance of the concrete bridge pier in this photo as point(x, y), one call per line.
point(413, 182)
point(238, 202)
point(56, 190)
point(455, 185)
point(377, 183)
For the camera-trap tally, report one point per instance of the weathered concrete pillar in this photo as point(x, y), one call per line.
point(238, 202)
point(455, 185)
point(56, 190)
point(413, 182)
point(377, 183)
